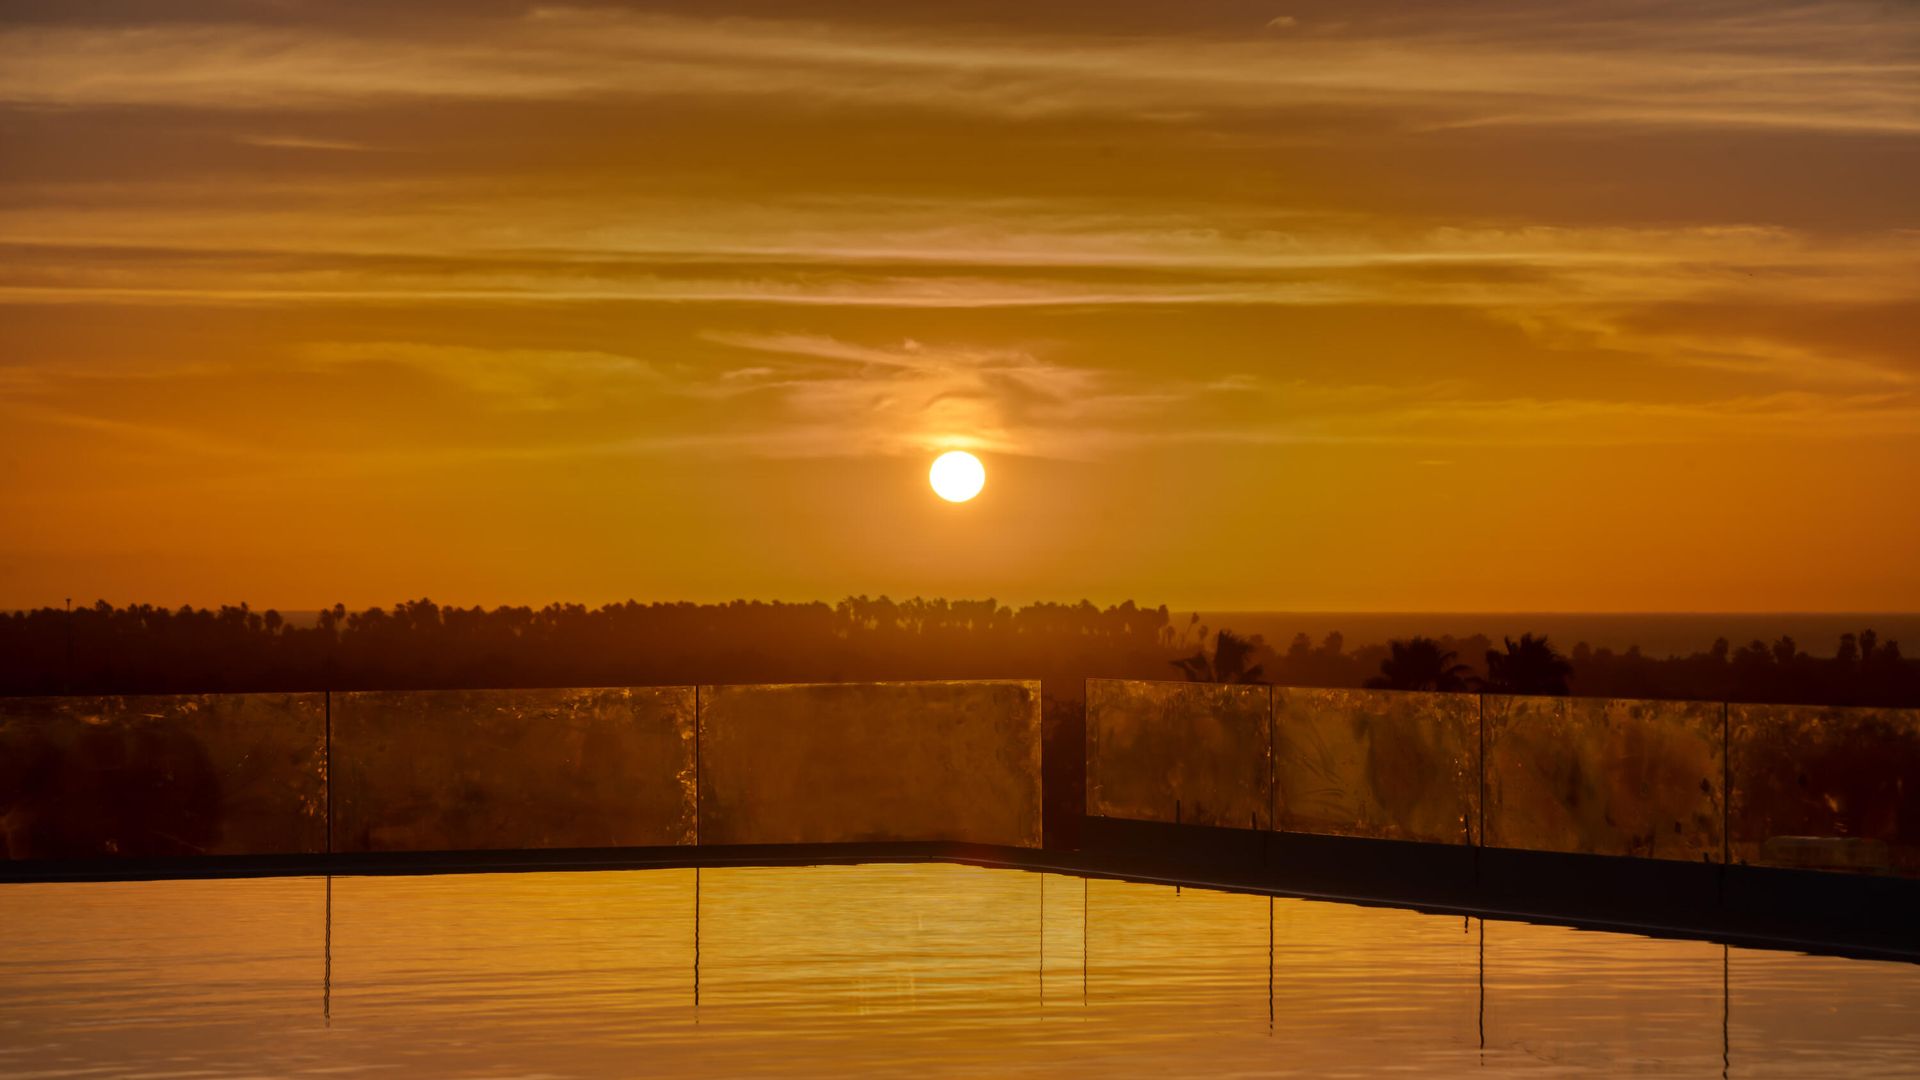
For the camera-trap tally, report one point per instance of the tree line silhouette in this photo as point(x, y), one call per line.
point(418, 644)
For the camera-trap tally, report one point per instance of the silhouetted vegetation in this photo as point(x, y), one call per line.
point(1228, 663)
point(1862, 671)
point(1527, 666)
point(1420, 663)
point(422, 645)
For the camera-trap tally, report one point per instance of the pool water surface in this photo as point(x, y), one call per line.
point(920, 969)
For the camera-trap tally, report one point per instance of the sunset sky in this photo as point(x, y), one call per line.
point(1319, 306)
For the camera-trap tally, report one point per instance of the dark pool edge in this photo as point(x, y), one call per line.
point(1756, 907)
point(1768, 907)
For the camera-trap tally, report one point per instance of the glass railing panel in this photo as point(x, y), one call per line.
point(1193, 753)
point(202, 774)
point(854, 762)
point(1606, 776)
point(1383, 764)
point(449, 770)
point(1822, 788)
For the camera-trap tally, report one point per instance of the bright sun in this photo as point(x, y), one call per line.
point(957, 476)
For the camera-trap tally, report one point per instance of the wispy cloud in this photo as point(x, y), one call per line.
point(982, 257)
point(910, 396)
point(655, 210)
point(518, 379)
point(300, 142)
point(1827, 67)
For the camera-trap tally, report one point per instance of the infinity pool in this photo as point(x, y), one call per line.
point(905, 969)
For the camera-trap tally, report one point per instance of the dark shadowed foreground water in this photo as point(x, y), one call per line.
point(915, 970)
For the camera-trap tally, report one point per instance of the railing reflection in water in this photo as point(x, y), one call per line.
point(935, 968)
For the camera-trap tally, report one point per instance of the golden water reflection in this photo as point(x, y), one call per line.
point(928, 969)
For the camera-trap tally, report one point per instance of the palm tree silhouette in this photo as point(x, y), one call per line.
point(1228, 664)
point(1419, 663)
point(1528, 666)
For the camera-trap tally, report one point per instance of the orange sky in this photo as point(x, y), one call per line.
point(1316, 306)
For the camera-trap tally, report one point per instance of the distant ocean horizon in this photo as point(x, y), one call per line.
point(1658, 634)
